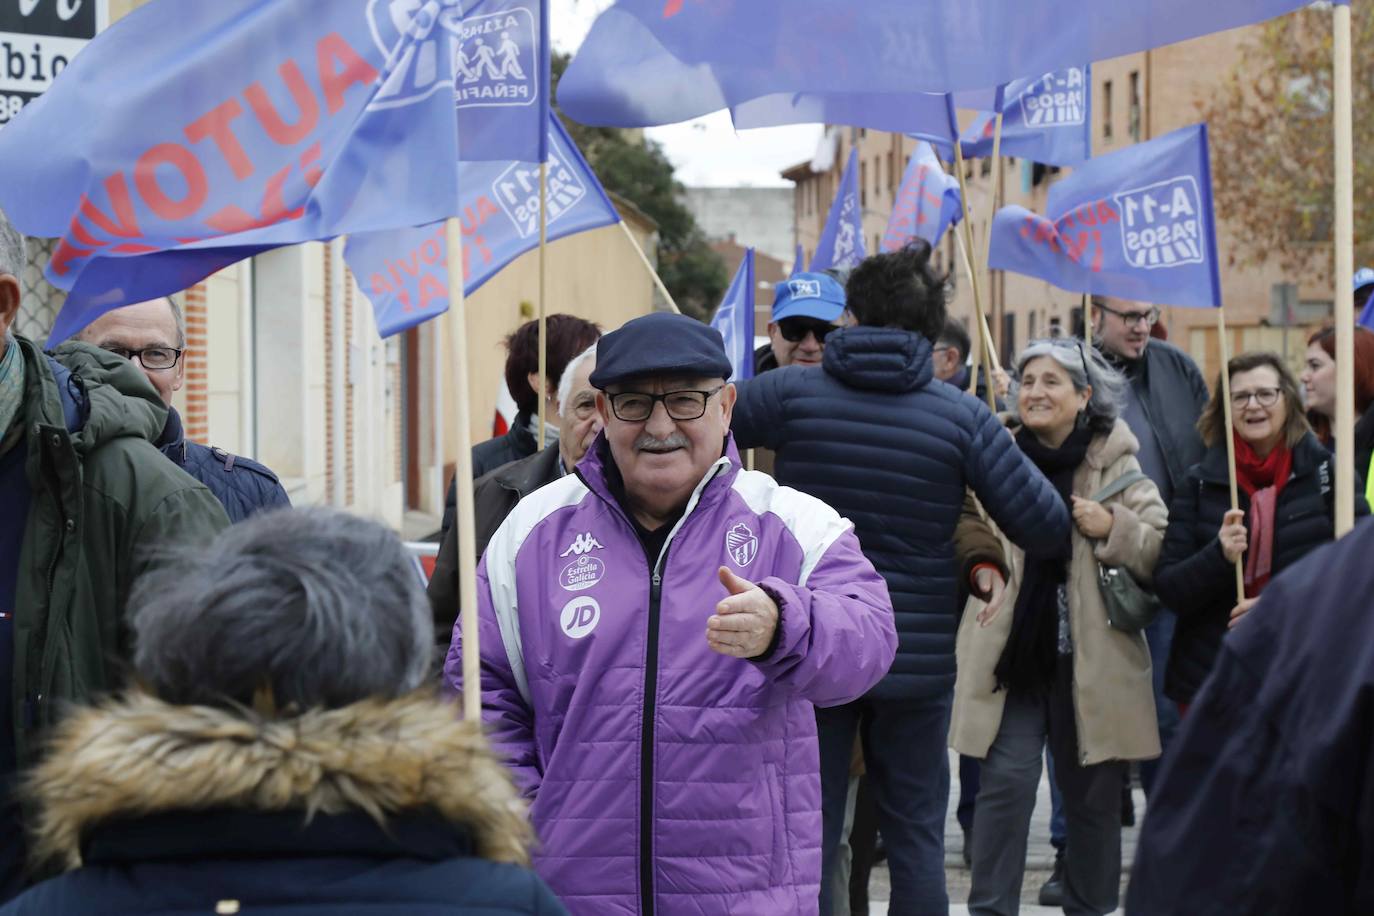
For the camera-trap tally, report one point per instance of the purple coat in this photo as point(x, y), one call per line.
point(667, 778)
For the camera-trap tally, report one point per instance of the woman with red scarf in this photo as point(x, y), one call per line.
point(1287, 497)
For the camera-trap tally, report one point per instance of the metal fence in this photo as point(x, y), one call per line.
point(41, 300)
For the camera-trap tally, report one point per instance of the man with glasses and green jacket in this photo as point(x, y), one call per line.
point(152, 335)
point(85, 501)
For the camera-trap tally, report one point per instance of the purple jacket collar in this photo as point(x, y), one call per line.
point(598, 471)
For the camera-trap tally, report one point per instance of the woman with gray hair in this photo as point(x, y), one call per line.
point(279, 756)
point(1054, 670)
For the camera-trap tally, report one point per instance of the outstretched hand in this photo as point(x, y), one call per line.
point(744, 621)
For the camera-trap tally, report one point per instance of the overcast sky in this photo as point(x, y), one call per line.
point(708, 152)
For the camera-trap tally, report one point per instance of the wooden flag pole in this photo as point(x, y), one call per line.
point(1087, 319)
point(979, 315)
point(658, 281)
point(1342, 112)
point(1230, 435)
point(993, 198)
point(543, 310)
point(467, 529)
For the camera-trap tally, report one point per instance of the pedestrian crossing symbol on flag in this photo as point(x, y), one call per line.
point(495, 61)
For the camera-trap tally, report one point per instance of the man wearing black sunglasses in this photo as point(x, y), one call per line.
point(806, 308)
point(152, 336)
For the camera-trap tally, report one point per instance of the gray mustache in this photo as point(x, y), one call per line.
point(648, 443)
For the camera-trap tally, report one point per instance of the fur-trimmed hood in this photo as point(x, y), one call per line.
point(139, 756)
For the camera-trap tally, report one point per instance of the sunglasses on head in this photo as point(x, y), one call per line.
point(794, 330)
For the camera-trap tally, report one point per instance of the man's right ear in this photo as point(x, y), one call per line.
point(9, 302)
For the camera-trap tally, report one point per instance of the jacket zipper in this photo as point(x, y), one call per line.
point(646, 748)
point(32, 701)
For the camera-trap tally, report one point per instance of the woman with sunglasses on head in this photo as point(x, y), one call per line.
point(1319, 393)
point(1286, 481)
point(1052, 669)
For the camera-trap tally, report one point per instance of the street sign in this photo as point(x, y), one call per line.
point(38, 38)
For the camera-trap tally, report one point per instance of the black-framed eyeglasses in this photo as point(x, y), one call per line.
point(1264, 397)
point(794, 330)
point(637, 406)
point(150, 357)
point(1132, 319)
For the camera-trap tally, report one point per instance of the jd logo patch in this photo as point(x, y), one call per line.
point(741, 545)
point(580, 616)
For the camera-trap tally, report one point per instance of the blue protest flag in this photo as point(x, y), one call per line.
point(1135, 224)
point(842, 241)
point(1046, 119)
point(648, 62)
point(499, 60)
point(734, 318)
point(404, 272)
point(241, 125)
point(928, 202)
point(1366, 319)
point(924, 115)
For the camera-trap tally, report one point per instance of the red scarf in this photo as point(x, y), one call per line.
point(1262, 479)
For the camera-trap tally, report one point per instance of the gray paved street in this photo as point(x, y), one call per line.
point(1039, 854)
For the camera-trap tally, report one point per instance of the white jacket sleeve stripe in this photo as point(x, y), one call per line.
point(812, 522)
point(501, 555)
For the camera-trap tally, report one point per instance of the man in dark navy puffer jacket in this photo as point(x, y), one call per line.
point(875, 435)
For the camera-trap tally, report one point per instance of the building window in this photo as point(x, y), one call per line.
point(892, 172)
point(1133, 112)
point(1107, 110)
point(863, 184)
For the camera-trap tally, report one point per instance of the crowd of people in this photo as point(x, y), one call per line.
point(729, 632)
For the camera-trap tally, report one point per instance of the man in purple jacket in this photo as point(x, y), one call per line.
point(655, 629)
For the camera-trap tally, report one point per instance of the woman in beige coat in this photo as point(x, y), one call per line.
point(1045, 665)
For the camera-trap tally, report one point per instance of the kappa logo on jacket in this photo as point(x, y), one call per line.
point(741, 544)
point(583, 543)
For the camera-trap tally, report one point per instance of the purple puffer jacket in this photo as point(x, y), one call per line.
point(666, 778)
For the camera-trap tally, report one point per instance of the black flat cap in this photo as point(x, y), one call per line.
point(660, 344)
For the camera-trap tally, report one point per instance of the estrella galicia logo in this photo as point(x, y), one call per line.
point(486, 60)
point(805, 289)
point(581, 574)
point(517, 191)
point(741, 545)
point(583, 543)
point(580, 616)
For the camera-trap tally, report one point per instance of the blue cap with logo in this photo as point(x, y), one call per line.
point(1363, 277)
point(809, 295)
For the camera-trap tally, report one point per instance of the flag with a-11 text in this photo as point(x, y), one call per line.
point(1136, 224)
point(404, 272)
